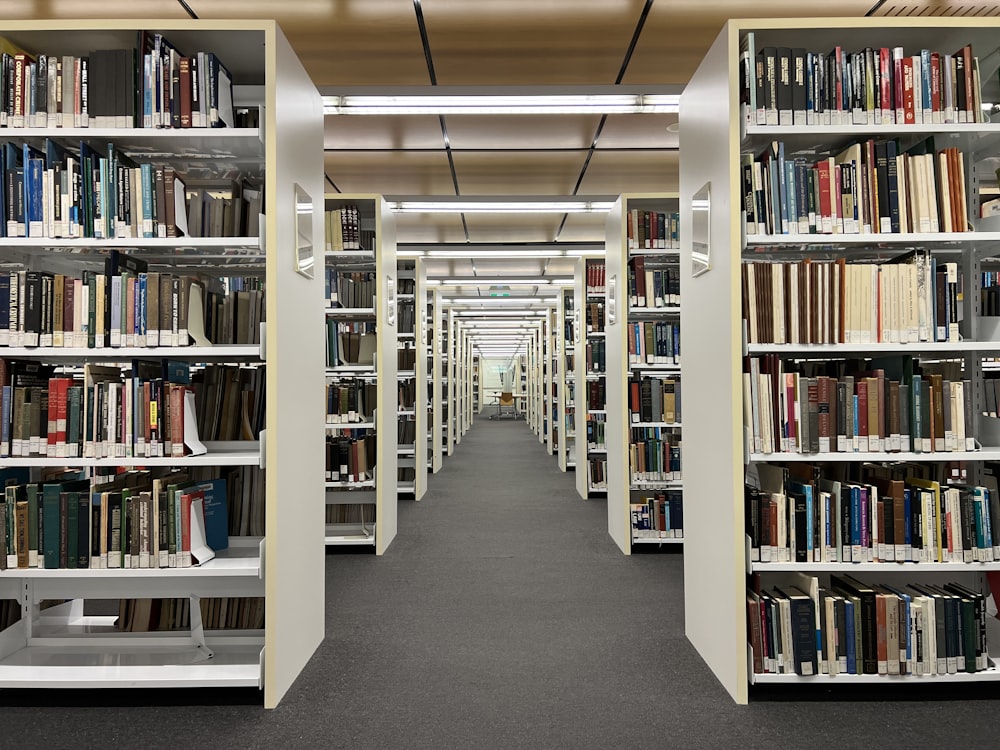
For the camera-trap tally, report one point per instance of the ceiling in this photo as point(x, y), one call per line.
point(371, 44)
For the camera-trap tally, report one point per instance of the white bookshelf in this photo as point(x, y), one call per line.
point(413, 456)
point(712, 140)
point(60, 647)
point(378, 504)
point(436, 321)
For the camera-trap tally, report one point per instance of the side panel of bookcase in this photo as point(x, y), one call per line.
point(420, 401)
point(294, 564)
point(580, 368)
point(437, 427)
point(710, 342)
point(616, 435)
point(385, 419)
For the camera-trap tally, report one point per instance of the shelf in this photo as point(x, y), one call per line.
point(349, 534)
point(596, 334)
point(654, 368)
point(986, 454)
point(661, 425)
point(137, 660)
point(654, 251)
point(351, 312)
point(966, 136)
point(406, 413)
point(926, 347)
point(182, 143)
point(654, 484)
point(350, 425)
point(366, 485)
point(664, 540)
point(349, 254)
point(240, 560)
point(989, 675)
point(900, 241)
point(237, 453)
point(653, 312)
point(351, 370)
point(403, 374)
point(220, 353)
point(596, 451)
point(911, 568)
point(406, 451)
point(405, 489)
point(406, 336)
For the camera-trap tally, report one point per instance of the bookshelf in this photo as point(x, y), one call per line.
point(641, 333)
point(551, 395)
point(438, 388)
point(450, 398)
point(477, 384)
point(411, 477)
point(566, 378)
point(719, 455)
point(361, 507)
point(591, 378)
point(425, 379)
point(65, 647)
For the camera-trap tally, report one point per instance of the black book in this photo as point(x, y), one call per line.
point(882, 176)
point(798, 503)
point(803, 614)
point(769, 56)
point(32, 308)
point(784, 86)
point(798, 82)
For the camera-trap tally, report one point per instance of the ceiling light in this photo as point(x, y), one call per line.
point(500, 300)
point(499, 313)
point(572, 252)
point(501, 207)
point(501, 104)
point(484, 282)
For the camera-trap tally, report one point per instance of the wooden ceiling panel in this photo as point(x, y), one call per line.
point(584, 228)
point(678, 33)
point(639, 131)
point(393, 173)
point(36, 10)
point(521, 131)
point(518, 172)
point(343, 43)
point(429, 228)
point(387, 133)
point(529, 41)
point(494, 228)
point(612, 172)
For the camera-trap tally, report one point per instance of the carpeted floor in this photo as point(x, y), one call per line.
point(502, 616)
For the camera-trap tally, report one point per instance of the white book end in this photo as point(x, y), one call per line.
point(200, 550)
point(191, 439)
point(196, 316)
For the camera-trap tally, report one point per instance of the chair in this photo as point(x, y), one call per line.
point(505, 399)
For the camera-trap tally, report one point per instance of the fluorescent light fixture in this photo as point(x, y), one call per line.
point(499, 313)
point(501, 207)
point(572, 252)
point(485, 282)
point(501, 104)
point(499, 300)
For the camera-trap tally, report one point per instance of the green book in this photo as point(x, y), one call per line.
point(73, 528)
point(33, 525)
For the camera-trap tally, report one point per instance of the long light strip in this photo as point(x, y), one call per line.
point(499, 300)
point(494, 104)
point(481, 282)
point(510, 254)
point(499, 313)
point(501, 207)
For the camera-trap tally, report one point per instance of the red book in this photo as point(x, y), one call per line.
point(823, 412)
point(633, 395)
point(823, 173)
point(909, 118)
point(640, 282)
point(970, 97)
point(177, 419)
point(885, 84)
point(862, 388)
point(62, 409)
point(184, 68)
point(936, 84)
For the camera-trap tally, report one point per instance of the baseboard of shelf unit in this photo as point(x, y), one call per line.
point(348, 534)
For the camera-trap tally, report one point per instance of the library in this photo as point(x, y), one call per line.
point(342, 397)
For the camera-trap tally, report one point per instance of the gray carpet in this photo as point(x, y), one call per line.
point(501, 616)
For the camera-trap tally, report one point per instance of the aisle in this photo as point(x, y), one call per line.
point(504, 607)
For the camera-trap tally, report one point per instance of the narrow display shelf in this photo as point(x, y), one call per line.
point(986, 454)
point(220, 353)
point(350, 533)
point(236, 453)
point(183, 142)
point(148, 661)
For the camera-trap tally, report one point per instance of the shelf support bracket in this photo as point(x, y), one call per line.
point(198, 630)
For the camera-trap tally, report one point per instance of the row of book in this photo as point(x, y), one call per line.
point(597, 474)
point(872, 86)
point(406, 393)
point(596, 277)
point(596, 351)
point(853, 627)
point(654, 400)
point(217, 613)
point(350, 343)
point(594, 317)
point(406, 359)
point(350, 401)
point(654, 343)
point(406, 317)
point(658, 516)
point(362, 514)
point(10, 612)
point(870, 187)
point(911, 299)
point(989, 294)
point(152, 85)
point(229, 401)
point(406, 475)
point(350, 459)
point(652, 288)
point(653, 230)
point(596, 432)
point(891, 405)
point(344, 232)
point(130, 522)
point(351, 289)
point(902, 512)
point(596, 394)
point(406, 432)
point(122, 307)
point(654, 454)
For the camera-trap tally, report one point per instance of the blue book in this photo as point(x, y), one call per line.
point(34, 201)
point(790, 205)
point(806, 490)
point(216, 514)
point(856, 540)
point(852, 657)
point(4, 306)
point(908, 523)
point(917, 421)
